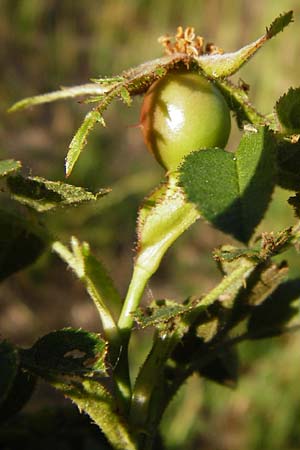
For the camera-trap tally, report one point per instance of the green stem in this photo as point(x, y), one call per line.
point(136, 289)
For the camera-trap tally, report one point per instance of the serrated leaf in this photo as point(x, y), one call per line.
point(9, 166)
point(279, 311)
point(79, 140)
point(288, 161)
point(288, 111)
point(279, 24)
point(232, 190)
point(96, 279)
point(64, 93)
point(67, 353)
point(224, 65)
point(73, 361)
point(21, 243)
point(44, 195)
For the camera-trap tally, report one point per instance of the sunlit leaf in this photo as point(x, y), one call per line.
point(95, 277)
point(224, 65)
point(79, 140)
point(64, 93)
point(9, 166)
point(232, 190)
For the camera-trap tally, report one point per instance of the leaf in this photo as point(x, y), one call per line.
point(67, 353)
point(224, 65)
point(288, 111)
point(9, 366)
point(97, 281)
point(100, 405)
point(16, 386)
point(161, 312)
point(279, 311)
point(79, 140)
point(73, 361)
point(44, 195)
point(288, 161)
point(223, 369)
point(238, 101)
point(64, 93)
point(125, 96)
point(21, 243)
point(279, 24)
point(295, 202)
point(19, 394)
point(9, 166)
point(232, 190)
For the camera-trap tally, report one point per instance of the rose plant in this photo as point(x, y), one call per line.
point(185, 120)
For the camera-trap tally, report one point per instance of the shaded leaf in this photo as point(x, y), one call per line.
point(21, 243)
point(288, 111)
point(16, 385)
point(79, 140)
point(295, 202)
point(288, 161)
point(67, 352)
point(232, 190)
point(19, 394)
point(9, 166)
point(279, 24)
point(9, 362)
point(223, 369)
point(277, 312)
point(44, 195)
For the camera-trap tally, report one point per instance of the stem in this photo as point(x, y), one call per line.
point(135, 291)
point(136, 288)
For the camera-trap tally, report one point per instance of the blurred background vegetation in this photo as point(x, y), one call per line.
point(49, 43)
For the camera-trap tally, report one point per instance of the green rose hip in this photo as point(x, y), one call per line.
point(183, 112)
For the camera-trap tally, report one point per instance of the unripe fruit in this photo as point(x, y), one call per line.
point(183, 112)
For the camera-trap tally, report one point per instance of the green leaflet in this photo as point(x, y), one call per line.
point(220, 66)
point(8, 166)
point(45, 195)
point(232, 190)
point(288, 111)
point(67, 353)
point(21, 242)
point(97, 281)
point(79, 140)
